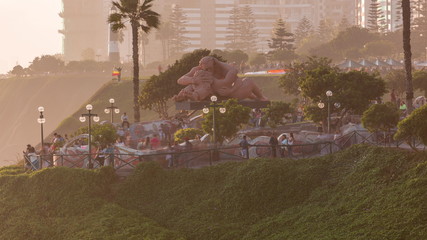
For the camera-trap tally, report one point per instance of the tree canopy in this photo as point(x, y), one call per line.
point(228, 123)
point(413, 126)
point(381, 117)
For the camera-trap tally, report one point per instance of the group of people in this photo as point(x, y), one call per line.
point(283, 144)
point(152, 143)
point(105, 155)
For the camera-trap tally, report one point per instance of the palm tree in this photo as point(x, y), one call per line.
point(139, 16)
point(406, 17)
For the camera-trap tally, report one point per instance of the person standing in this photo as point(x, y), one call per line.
point(283, 142)
point(273, 143)
point(155, 142)
point(291, 141)
point(170, 155)
point(244, 144)
point(125, 120)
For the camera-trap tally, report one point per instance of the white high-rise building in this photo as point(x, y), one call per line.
point(390, 10)
point(85, 23)
point(207, 20)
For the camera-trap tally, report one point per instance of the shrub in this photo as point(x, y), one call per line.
point(187, 133)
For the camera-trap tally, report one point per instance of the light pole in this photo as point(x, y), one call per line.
point(222, 109)
point(41, 120)
point(112, 109)
point(321, 105)
point(95, 119)
point(329, 94)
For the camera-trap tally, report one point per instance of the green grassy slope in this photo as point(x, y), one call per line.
point(66, 203)
point(361, 193)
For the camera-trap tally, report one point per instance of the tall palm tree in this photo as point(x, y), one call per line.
point(406, 17)
point(140, 16)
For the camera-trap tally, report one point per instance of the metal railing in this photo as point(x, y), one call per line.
point(199, 157)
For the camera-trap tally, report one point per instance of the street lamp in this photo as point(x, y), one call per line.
point(222, 109)
point(329, 94)
point(41, 120)
point(112, 109)
point(321, 105)
point(95, 119)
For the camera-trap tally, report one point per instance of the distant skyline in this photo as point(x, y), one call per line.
point(29, 29)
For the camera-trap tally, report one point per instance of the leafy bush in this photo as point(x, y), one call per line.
point(381, 117)
point(275, 113)
point(102, 134)
point(413, 127)
point(185, 133)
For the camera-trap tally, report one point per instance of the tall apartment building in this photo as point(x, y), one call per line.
point(84, 27)
point(208, 20)
point(390, 9)
point(85, 23)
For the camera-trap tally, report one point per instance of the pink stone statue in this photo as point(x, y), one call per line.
point(215, 77)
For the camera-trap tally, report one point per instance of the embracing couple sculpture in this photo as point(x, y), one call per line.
point(213, 77)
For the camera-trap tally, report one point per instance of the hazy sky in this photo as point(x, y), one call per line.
point(29, 28)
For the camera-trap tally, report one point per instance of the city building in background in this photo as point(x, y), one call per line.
point(86, 28)
point(391, 13)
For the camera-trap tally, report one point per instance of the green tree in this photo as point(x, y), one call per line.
point(281, 39)
point(190, 133)
point(375, 17)
point(420, 81)
point(282, 55)
point(290, 82)
point(344, 24)
point(325, 31)
point(45, 64)
point(381, 117)
point(141, 17)
point(352, 90)
point(102, 134)
point(353, 38)
point(236, 56)
point(379, 49)
point(304, 30)
point(228, 123)
point(18, 71)
point(164, 34)
point(257, 59)
point(395, 79)
point(178, 42)
point(247, 31)
point(413, 126)
point(233, 32)
point(275, 112)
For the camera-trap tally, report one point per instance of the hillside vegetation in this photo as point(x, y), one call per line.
point(60, 95)
point(362, 193)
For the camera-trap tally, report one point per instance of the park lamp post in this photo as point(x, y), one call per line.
point(41, 120)
point(112, 109)
point(222, 109)
point(95, 119)
point(322, 105)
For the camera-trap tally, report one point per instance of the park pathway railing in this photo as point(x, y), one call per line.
point(200, 157)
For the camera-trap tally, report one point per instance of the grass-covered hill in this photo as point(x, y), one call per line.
point(362, 193)
point(122, 92)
